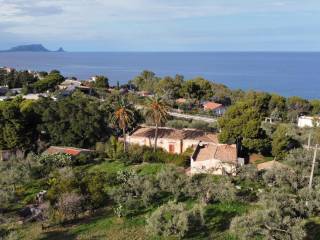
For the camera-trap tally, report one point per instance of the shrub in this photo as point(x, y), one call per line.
point(49, 162)
point(284, 178)
point(172, 181)
point(199, 125)
point(60, 182)
point(179, 124)
point(209, 190)
point(134, 155)
point(282, 142)
point(134, 193)
point(69, 206)
point(175, 220)
point(83, 159)
point(267, 224)
point(93, 187)
point(150, 157)
point(114, 148)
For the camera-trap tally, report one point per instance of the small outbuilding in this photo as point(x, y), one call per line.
point(218, 159)
point(308, 121)
point(216, 108)
point(68, 150)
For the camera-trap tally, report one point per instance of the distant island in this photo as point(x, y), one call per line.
point(31, 48)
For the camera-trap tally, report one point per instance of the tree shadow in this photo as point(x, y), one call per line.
point(217, 221)
point(62, 231)
point(56, 234)
point(313, 230)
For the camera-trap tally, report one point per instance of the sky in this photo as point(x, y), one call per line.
point(162, 25)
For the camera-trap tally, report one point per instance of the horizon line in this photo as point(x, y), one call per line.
point(173, 51)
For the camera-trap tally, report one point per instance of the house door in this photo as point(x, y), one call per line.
point(171, 148)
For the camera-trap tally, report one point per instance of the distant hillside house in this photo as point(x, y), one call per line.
point(69, 83)
point(68, 150)
point(216, 108)
point(6, 155)
point(8, 69)
point(34, 96)
point(181, 101)
point(93, 79)
point(307, 121)
point(218, 159)
point(144, 94)
point(170, 139)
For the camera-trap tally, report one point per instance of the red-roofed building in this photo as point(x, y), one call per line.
point(68, 150)
point(170, 139)
point(217, 108)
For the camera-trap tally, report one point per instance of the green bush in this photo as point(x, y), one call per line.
point(267, 224)
point(209, 190)
point(134, 193)
point(113, 148)
point(50, 162)
point(172, 181)
point(69, 206)
point(48, 83)
point(60, 181)
point(84, 158)
point(93, 186)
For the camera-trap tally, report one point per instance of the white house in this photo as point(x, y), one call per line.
point(307, 121)
point(92, 79)
point(69, 83)
point(218, 159)
point(7, 69)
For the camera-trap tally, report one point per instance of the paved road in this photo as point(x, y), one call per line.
point(193, 117)
point(186, 116)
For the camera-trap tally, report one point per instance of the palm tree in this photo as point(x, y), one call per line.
point(157, 111)
point(123, 117)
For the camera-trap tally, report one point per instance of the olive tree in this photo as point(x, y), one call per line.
point(209, 190)
point(267, 224)
point(174, 219)
point(134, 193)
point(172, 181)
point(69, 206)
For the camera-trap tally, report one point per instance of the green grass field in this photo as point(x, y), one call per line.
point(104, 224)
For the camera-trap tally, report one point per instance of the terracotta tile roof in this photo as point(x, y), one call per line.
point(222, 152)
point(162, 133)
point(177, 134)
point(270, 165)
point(68, 150)
point(181, 100)
point(209, 137)
point(212, 105)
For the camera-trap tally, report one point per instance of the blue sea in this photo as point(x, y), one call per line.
point(284, 73)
